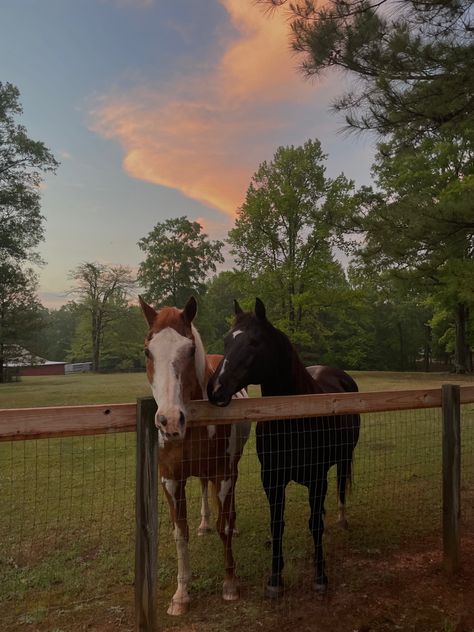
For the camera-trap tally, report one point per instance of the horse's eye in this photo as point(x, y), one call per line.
point(147, 353)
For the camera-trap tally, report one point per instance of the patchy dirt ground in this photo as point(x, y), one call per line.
point(407, 591)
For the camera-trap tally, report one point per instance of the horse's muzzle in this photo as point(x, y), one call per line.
point(218, 397)
point(172, 426)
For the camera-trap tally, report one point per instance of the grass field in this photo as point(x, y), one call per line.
point(67, 514)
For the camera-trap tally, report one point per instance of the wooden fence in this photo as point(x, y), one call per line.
point(36, 423)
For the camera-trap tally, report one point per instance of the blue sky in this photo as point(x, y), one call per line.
point(157, 109)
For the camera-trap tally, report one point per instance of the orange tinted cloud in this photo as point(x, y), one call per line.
point(206, 133)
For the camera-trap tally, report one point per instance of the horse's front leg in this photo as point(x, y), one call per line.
point(276, 499)
point(225, 489)
point(176, 494)
point(317, 496)
point(204, 527)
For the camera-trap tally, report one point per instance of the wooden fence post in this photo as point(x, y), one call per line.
point(146, 517)
point(451, 477)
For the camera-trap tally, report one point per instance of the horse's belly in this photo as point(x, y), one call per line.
point(295, 451)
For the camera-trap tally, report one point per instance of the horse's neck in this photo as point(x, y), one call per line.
point(290, 377)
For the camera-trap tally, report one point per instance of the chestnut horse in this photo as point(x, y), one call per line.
point(301, 450)
point(178, 371)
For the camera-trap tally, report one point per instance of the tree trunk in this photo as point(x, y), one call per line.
point(96, 326)
point(427, 349)
point(402, 347)
point(460, 348)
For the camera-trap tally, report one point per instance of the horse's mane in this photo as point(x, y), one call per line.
point(200, 361)
point(302, 380)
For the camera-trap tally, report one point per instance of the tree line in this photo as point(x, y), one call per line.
point(404, 297)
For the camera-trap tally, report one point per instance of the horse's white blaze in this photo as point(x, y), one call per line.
point(236, 333)
point(217, 384)
point(221, 372)
point(224, 490)
point(166, 347)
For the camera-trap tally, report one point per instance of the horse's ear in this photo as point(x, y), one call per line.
point(260, 311)
point(190, 309)
point(237, 309)
point(148, 311)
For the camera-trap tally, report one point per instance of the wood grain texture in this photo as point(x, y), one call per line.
point(61, 421)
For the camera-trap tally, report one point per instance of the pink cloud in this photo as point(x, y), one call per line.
point(206, 133)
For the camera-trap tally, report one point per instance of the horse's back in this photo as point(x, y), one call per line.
point(331, 380)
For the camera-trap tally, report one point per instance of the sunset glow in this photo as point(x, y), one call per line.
point(202, 136)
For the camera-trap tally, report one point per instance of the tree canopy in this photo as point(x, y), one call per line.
point(102, 291)
point(179, 257)
point(412, 60)
point(287, 224)
point(23, 162)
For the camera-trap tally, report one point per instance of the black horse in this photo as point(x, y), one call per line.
point(301, 450)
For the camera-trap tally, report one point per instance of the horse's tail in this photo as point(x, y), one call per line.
point(344, 478)
point(346, 460)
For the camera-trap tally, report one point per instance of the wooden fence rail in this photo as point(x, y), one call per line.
point(64, 421)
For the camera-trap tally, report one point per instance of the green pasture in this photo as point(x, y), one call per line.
point(67, 512)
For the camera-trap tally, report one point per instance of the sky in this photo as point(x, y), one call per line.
point(158, 109)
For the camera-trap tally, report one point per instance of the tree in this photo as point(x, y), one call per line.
point(215, 314)
point(59, 329)
point(420, 224)
point(22, 163)
point(287, 226)
point(179, 256)
point(20, 313)
point(102, 291)
point(412, 60)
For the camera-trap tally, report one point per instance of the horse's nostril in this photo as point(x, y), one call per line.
point(163, 420)
point(175, 434)
point(182, 418)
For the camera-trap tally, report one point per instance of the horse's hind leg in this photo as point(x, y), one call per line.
point(276, 500)
point(343, 477)
point(225, 489)
point(204, 527)
point(317, 495)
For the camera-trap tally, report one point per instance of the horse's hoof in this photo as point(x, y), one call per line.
point(343, 524)
point(177, 608)
point(230, 591)
point(273, 592)
point(275, 586)
point(235, 531)
point(320, 588)
point(205, 531)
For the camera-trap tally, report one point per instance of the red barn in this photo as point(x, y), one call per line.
point(28, 364)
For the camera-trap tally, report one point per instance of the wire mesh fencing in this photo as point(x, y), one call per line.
point(467, 468)
point(67, 528)
point(395, 501)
